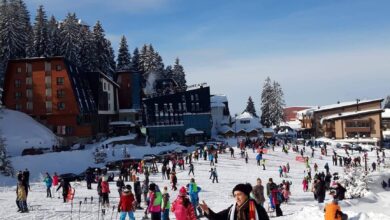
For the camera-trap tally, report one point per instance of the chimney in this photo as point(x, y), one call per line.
point(338, 102)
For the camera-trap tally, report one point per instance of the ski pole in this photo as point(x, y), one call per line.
point(79, 209)
point(71, 209)
point(99, 210)
point(112, 213)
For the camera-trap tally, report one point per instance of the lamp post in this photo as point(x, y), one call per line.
point(235, 127)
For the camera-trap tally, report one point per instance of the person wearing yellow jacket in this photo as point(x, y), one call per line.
point(21, 197)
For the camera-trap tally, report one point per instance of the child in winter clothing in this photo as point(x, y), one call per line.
point(173, 181)
point(126, 204)
point(21, 197)
point(182, 207)
point(105, 192)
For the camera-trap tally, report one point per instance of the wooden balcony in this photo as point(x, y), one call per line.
point(358, 129)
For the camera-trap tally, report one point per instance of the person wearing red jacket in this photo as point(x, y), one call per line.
point(105, 192)
point(126, 204)
point(182, 206)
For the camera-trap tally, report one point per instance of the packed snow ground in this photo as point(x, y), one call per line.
point(217, 195)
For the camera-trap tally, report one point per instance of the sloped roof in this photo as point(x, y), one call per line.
point(386, 113)
point(344, 104)
point(350, 114)
point(245, 115)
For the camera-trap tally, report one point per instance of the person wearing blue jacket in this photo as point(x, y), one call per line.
point(193, 191)
point(48, 181)
point(259, 157)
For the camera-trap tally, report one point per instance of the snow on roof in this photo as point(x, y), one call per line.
point(245, 115)
point(190, 131)
point(131, 110)
point(225, 129)
point(347, 114)
point(217, 104)
point(343, 104)
point(386, 113)
point(292, 124)
point(268, 130)
point(122, 123)
point(218, 98)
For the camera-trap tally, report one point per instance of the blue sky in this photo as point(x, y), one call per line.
point(320, 51)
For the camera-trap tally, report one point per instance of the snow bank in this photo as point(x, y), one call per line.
point(21, 131)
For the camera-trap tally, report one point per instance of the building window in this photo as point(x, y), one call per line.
point(104, 86)
point(244, 121)
point(192, 107)
point(60, 93)
point(156, 108)
point(29, 69)
point(196, 97)
point(179, 107)
point(58, 67)
point(18, 83)
point(48, 81)
point(18, 107)
point(29, 106)
point(165, 107)
point(192, 97)
point(48, 92)
point(183, 98)
point(48, 106)
point(47, 68)
point(19, 70)
point(197, 106)
point(29, 81)
point(184, 107)
point(18, 95)
point(29, 93)
point(109, 87)
point(61, 106)
point(60, 80)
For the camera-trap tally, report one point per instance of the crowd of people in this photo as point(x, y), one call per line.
point(249, 202)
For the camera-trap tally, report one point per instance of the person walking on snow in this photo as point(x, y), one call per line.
point(280, 171)
point(258, 193)
point(65, 188)
point(191, 166)
point(155, 200)
point(21, 197)
point(263, 163)
point(173, 181)
point(126, 204)
point(215, 175)
point(48, 181)
point(165, 204)
point(182, 207)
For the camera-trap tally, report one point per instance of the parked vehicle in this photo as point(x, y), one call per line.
point(32, 151)
point(71, 177)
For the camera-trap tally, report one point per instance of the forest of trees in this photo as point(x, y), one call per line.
point(87, 48)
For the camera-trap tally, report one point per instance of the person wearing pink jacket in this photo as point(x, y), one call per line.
point(182, 206)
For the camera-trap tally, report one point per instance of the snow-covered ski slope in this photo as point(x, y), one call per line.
point(217, 195)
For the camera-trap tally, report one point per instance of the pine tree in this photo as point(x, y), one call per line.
point(135, 61)
point(110, 68)
point(124, 58)
point(168, 72)
point(272, 103)
point(387, 102)
point(100, 47)
point(266, 103)
point(40, 33)
point(250, 107)
point(53, 38)
point(69, 33)
point(277, 114)
point(5, 164)
point(15, 31)
point(178, 75)
point(86, 49)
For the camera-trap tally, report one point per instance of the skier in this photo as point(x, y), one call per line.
point(305, 184)
point(120, 184)
point(48, 181)
point(126, 203)
point(105, 191)
point(145, 191)
point(326, 167)
point(155, 199)
point(173, 181)
point(163, 171)
point(165, 204)
point(65, 185)
point(231, 152)
point(263, 163)
point(193, 190)
point(182, 207)
point(288, 167)
point(89, 177)
point(191, 166)
point(280, 171)
point(243, 208)
point(138, 192)
point(215, 175)
point(275, 198)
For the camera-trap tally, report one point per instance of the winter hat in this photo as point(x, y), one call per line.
point(152, 187)
point(182, 191)
point(245, 188)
